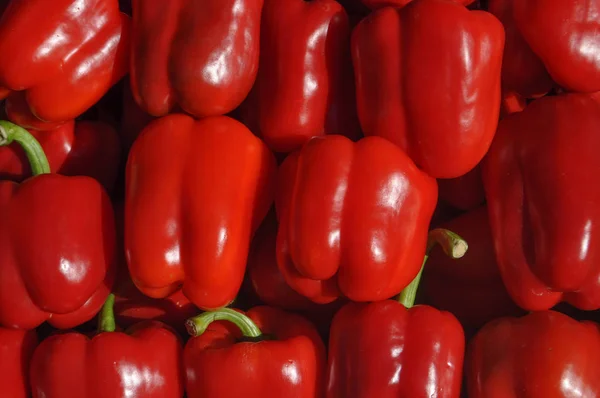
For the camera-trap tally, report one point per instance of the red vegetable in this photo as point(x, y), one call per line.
point(353, 219)
point(196, 192)
point(57, 244)
point(542, 355)
point(304, 86)
point(428, 79)
point(144, 362)
point(16, 350)
point(74, 149)
point(540, 180)
point(265, 353)
point(64, 56)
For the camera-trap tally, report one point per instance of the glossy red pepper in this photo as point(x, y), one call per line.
point(545, 354)
point(353, 219)
point(84, 148)
point(375, 4)
point(540, 180)
point(133, 119)
point(397, 56)
point(16, 350)
point(471, 287)
point(69, 222)
point(464, 192)
point(265, 353)
point(550, 37)
point(200, 55)
point(390, 349)
point(146, 361)
point(304, 86)
point(196, 192)
point(62, 56)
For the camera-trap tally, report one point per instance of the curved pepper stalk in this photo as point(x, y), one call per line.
point(452, 244)
point(10, 132)
point(106, 320)
point(198, 325)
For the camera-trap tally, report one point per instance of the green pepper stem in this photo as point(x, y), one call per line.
point(10, 132)
point(198, 324)
point(453, 245)
point(106, 322)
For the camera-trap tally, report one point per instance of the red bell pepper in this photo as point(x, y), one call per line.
point(555, 38)
point(545, 354)
point(16, 350)
point(57, 243)
point(62, 56)
point(200, 55)
point(196, 192)
point(465, 192)
point(265, 353)
point(445, 120)
point(390, 349)
point(91, 149)
point(471, 287)
point(146, 361)
point(133, 119)
point(304, 86)
point(540, 180)
point(353, 219)
point(375, 4)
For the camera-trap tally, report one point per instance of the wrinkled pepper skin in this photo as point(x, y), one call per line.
point(304, 86)
point(471, 287)
point(523, 72)
point(84, 148)
point(145, 362)
point(64, 55)
point(384, 350)
point(353, 219)
point(200, 55)
point(65, 280)
point(194, 228)
point(544, 354)
point(540, 180)
point(444, 121)
point(16, 350)
point(563, 35)
point(289, 364)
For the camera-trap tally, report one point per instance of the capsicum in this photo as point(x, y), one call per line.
point(199, 55)
point(196, 191)
point(353, 219)
point(390, 349)
point(64, 56)
point(444, 119)
point(83, 148)
point(304, 87)
point(16, 350)
point(263, 353)
point(544, 354)
point(69, 223)
point(540, 181)
point(145, 361)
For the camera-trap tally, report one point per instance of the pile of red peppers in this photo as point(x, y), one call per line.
point(300, 199)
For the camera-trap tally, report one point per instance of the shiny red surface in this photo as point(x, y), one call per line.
point(16, 350)
point(428, 79)
point(540, 179)
point(196, 192)
point(543, 355)
point(57, 251)
point(289, 364)
point(304, 86)
point(146, 362)
point(353, 219)
point(383, 350)
point(64, 55)
point(200, 55)
point(84, 148)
